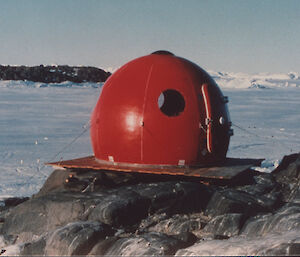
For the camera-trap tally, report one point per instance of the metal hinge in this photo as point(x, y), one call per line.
point(208, 121)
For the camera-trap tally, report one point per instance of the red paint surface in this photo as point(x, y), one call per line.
point(128, 124)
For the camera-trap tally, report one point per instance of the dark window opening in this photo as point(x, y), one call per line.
point(171, 102)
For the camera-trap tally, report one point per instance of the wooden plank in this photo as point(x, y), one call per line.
point(230, 168)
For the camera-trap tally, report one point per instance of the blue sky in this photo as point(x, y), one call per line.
point(222, 35)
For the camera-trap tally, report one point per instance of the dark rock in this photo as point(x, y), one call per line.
point(175, 225)
point(14, 201)
point(121, 207)
point(221, 237)
point(147, 244)
point(115, 207)
point(7, 240)
point(244, 178)
point(128, 205)
point(288, 176)
point(151, 221)
point(7, 204)
point(80, 180)
point(284, 249)
point(285, 219)
point(293, 248)
point(53, 74)
point(55, 182)
point(266, 191)
point(36, 247)
point(175, 196)
point(263, 184)
point(4, 213)
point(96, 213)
point(85, 180)
point(234, 201)
point(285, 162)
point(296, 196)
point(271, 244)
point(76, 238)
point(187, 237)
point(37, 215)
point(101, 247)
point(226, 225)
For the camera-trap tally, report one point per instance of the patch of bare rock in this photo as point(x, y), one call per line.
point(83, 212)
point(53, 74)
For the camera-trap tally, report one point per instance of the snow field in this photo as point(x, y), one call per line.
point(38, 120)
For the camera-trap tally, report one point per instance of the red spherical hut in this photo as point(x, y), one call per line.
point(160, 109)
point(162, 114)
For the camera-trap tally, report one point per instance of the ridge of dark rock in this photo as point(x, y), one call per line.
point(53, 74)
point(83, 212)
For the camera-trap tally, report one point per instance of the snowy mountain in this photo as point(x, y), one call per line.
point(260, 80)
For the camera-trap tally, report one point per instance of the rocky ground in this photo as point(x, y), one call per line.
point(81, 212)
point(53, 74)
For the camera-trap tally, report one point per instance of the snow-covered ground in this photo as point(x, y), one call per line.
point(38, 121)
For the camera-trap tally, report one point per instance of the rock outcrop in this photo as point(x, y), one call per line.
point(83, 212)
point(53, 74)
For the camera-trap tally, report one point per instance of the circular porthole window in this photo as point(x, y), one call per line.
point(171, 102)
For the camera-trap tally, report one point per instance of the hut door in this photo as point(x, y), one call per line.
point(208, 119)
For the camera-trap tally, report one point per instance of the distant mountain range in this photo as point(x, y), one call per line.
point(53, 74)
point(78, 74)
point(258, 80)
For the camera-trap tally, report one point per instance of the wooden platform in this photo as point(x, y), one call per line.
point(229, 169)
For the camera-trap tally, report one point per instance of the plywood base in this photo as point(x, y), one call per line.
point(229, 169)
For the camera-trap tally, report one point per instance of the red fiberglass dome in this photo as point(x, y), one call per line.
point(161, 109)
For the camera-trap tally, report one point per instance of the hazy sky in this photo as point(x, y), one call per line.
point(221, 35)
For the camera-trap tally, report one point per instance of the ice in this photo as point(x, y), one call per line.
point(111, 69)
point(268, 165)
point(38, 121)
point(258, 117)
point(35, 124)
